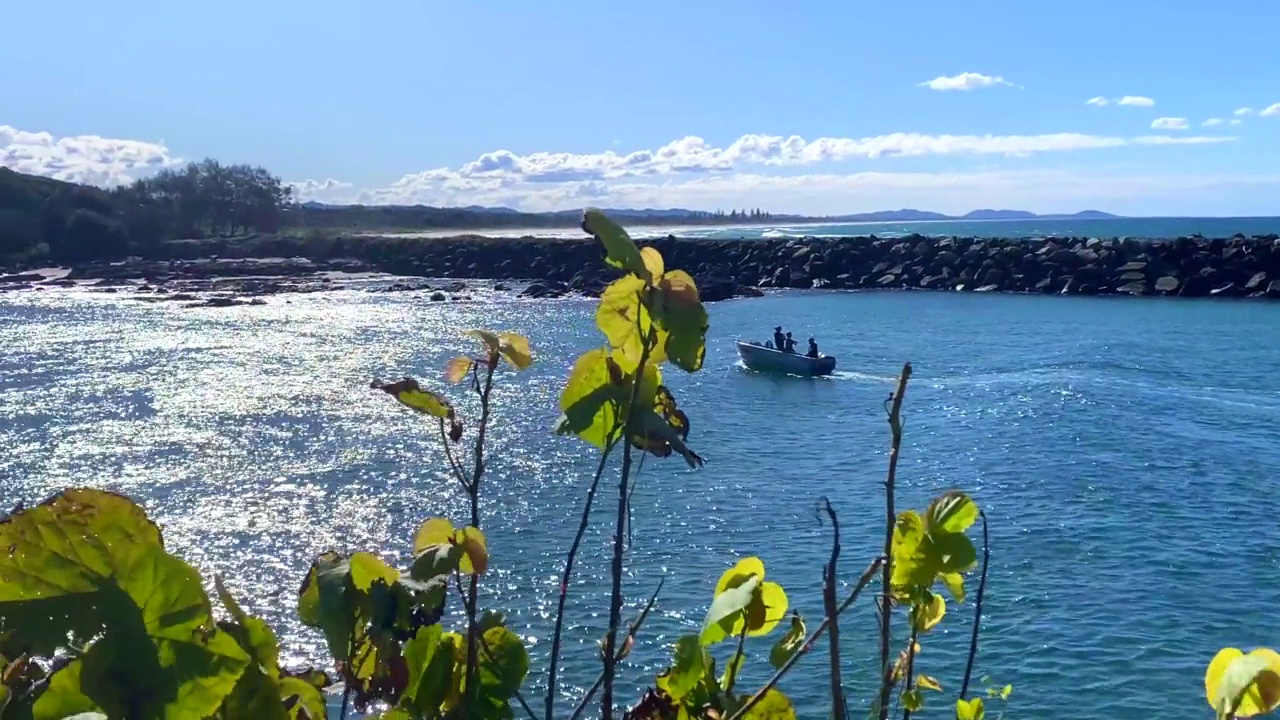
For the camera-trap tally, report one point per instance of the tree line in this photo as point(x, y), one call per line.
point(66, 222)
point(42, 219)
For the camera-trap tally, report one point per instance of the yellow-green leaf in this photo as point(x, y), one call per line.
point(487, 338)
point(928, 613)
point(745, 569)
point(457, 369)
point(620, 251)
point(773, 706)
point(955, 584)
point(1005, 692)
point(771, 601)
point(652, 262)
point(592, 398)
point(1243, 685)
point(367, 568)
point(619, 313)
point(912, 700)
point(684, 319)
point(412, 395)
point(928, 682)
point(725, 616)
point(475, 554)
point(970, 709)
point(790, 642)
point(515, 349)
point(951, 512)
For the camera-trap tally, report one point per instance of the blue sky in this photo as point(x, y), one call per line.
point(814, 106)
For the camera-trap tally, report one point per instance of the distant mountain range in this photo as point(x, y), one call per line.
point(701, 216)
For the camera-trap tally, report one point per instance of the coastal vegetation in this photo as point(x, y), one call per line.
point(97, 619)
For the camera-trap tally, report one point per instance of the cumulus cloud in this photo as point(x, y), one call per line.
point(1234, 121)
point(1270, 110)
point(964, 81)
point(1098, 101)
point(1211, 122)
point(1169, 123)
point(1136, 101)
point(90, 159)
point(1243, 111)
point(325, 191)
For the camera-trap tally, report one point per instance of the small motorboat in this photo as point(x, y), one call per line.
point(766, 359)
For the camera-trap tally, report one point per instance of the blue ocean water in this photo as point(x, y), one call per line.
point(1152, 227)
point(1124, 450)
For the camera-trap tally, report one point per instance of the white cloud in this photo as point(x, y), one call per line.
point(964, 81)
point(1211, 122)
point(1169, 123)
point(1243, 111)
point(1270, 110)
point(1098, 101)
point(1136, 101)
point(689, 172)
point(1234, 121)
point(88, 159)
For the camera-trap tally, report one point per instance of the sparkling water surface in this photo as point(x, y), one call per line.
point(1124, 450)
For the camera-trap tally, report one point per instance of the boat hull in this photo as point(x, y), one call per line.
point(763, 359)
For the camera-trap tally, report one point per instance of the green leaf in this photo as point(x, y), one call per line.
point(61, 553)
point(954, 552)
point(593, 398)
point(914, 562)
point(773, 706)
point(790, 642)
point(620, 251)
point(158, 652)
point(687, 670)
point(912, 700)
point(951, 512)
point(430, 665)
point(327, 600)
point(504, 662)
point(300, 699)
point(732, 668)
point(62, 698)
point(725, 616)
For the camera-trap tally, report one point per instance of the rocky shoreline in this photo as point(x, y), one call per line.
point(229, 272)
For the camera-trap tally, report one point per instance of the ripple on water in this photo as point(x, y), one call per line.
point(1110, 443)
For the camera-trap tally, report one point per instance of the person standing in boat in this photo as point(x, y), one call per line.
point(779, 341)
point(790, 345)
point(813, 349)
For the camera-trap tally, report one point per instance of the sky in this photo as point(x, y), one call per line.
point(1136, 107)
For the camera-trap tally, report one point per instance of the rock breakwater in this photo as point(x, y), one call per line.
point(1186, 267)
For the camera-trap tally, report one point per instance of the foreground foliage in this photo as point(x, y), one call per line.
point(97, 619)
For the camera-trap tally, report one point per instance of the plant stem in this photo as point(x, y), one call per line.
point(631, 635)
point(839, 709)
point(977, 611)
point(911, 669)
point(863, 581)
point(891, 517)
point(564, 580)
point(619, 534)
point(488, 652)
point(735, 660)
point(473, 491)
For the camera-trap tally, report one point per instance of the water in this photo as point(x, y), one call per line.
point(1124, 451)
point(1154, 227)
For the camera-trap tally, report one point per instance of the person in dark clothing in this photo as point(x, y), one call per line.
point(790, 344)
point(813, 349)
point(779, 341)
